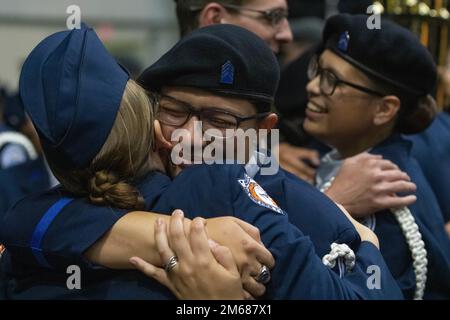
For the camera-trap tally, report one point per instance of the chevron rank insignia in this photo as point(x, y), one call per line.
point(227, 73)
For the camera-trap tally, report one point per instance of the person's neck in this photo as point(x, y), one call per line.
point(361, 144)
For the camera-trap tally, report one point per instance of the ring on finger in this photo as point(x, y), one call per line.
point(171, 263)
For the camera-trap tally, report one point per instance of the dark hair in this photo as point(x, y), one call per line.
point(188, 12)
point(416, 113)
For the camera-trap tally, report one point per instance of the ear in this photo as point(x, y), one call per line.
point(387, 110)
point(212, 13)
point(160, 142)
point(268, 122)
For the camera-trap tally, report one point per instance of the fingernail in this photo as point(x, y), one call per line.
point(178, 211)
point(133, 261)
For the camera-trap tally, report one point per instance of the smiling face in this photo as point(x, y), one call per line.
point(348, 119)
point(206, 101)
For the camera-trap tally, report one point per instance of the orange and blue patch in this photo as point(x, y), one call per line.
point(258, 195)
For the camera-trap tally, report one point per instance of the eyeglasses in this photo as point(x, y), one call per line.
point(273, 16)
point(329, 81)
point(174, 112)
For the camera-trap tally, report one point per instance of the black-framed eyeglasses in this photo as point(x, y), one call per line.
point(273, 16)
point(329, 81)
point(174, 112)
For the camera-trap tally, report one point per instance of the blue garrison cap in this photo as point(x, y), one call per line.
point(224, 59)
point(72, 88)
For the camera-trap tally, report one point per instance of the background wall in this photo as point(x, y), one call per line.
point(137, 31)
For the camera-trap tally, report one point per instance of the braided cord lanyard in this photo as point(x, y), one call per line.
point(340, 251)
point(416, 245)
point(413, 237)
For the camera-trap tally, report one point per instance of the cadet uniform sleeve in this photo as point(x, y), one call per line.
point(299, 272)
point(434, 158)
point(78, 228)
point(309, 208)
point(55, 232)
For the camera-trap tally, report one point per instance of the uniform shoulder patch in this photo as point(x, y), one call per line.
point(258, 195)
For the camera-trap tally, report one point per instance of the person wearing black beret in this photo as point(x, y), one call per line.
point(192, 84)
point(367, 88)
point(190, 74)
point(267, 19)
point(96, 127)
point(204, 189)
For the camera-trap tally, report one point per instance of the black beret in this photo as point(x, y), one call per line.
point(391, 54)
point(354, 7)
point(224, 59)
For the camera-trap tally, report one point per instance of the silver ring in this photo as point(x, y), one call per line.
point(173, 261)
point(264, 275)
